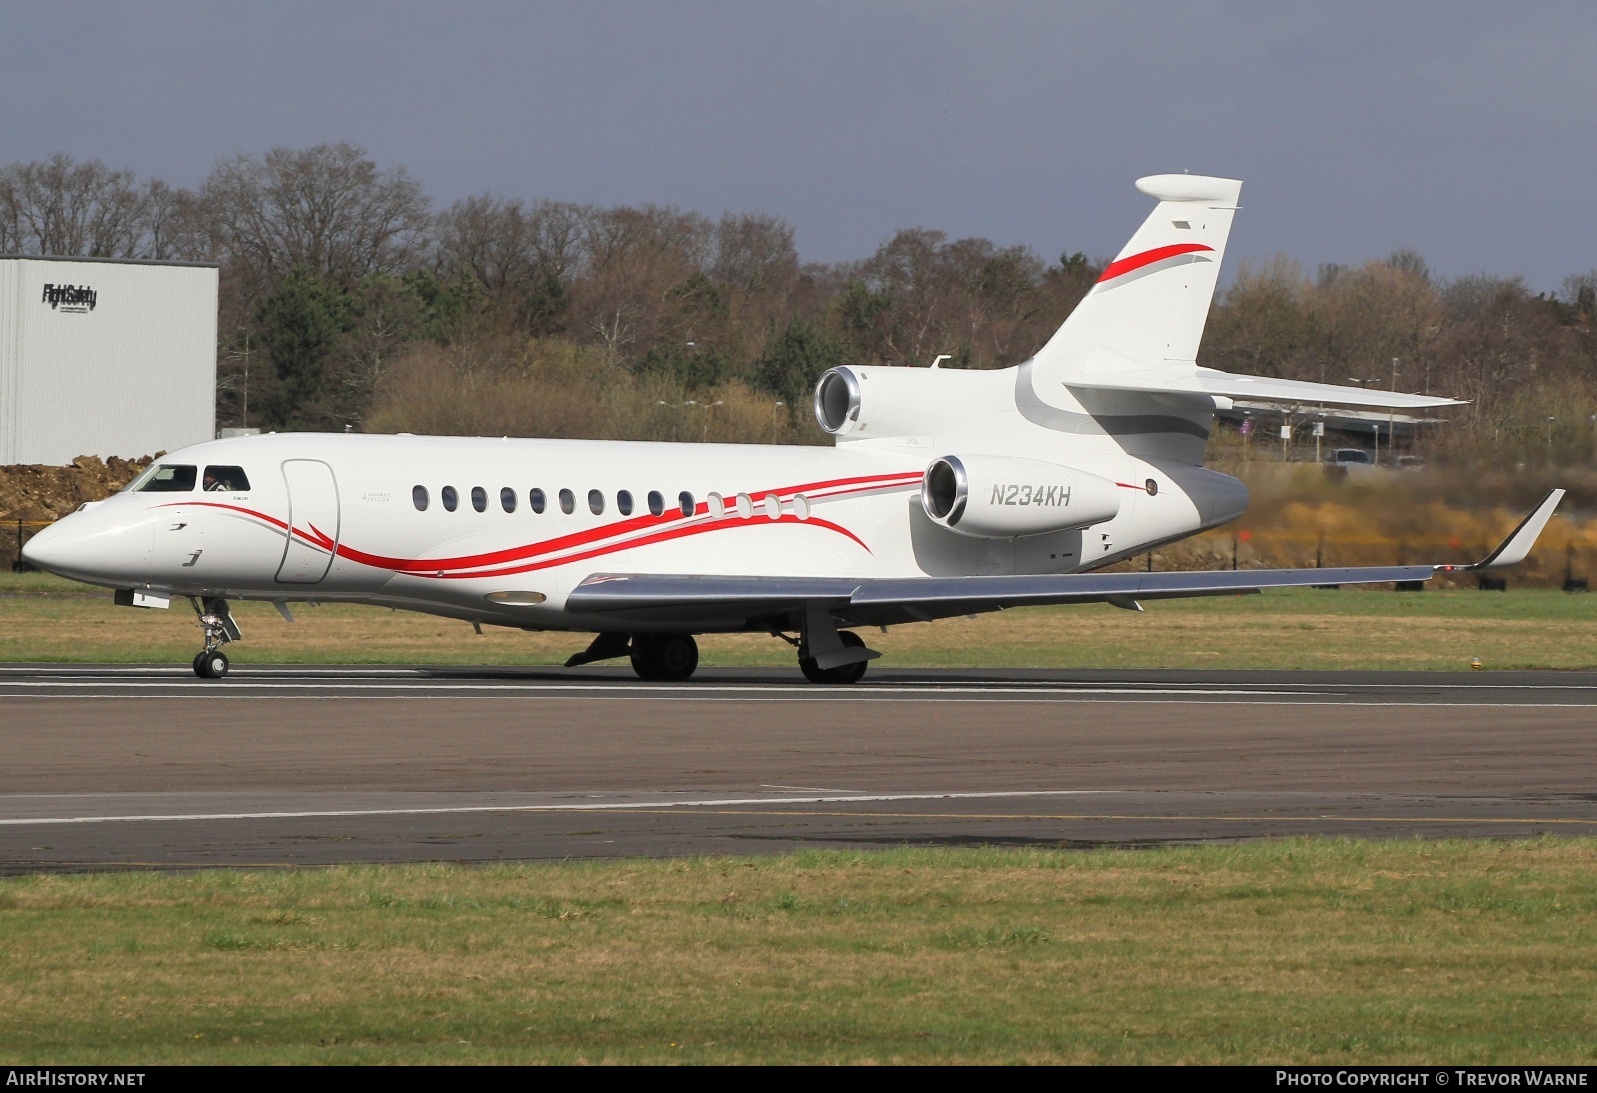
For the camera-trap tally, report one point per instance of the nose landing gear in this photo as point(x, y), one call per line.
point(216, 622)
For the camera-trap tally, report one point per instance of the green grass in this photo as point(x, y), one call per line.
point(44, 618)
point(1298, 950)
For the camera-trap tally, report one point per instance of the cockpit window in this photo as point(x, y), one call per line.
point(225, 480)
point(166, 478)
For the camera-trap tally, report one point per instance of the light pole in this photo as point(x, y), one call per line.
point(775, 406)
point(704, 434)
point(1391, 412)
point(1377, 426)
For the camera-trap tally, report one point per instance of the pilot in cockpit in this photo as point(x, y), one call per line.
point(224, 480)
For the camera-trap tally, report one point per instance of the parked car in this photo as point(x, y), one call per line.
point(1350, 457)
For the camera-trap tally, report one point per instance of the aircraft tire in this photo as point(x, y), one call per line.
point(212, 665)
point(642, 658)
point(665, 658)
point(199, 669)
point(843, 674)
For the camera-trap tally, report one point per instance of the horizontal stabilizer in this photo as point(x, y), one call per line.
point(1212, 382)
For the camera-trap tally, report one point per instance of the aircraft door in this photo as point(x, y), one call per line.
point(312, 519)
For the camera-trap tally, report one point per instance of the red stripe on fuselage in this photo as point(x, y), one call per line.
point(664, 535)
point(474, 563)
point(1124, 266)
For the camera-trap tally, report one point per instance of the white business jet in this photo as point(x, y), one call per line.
point(946, 493)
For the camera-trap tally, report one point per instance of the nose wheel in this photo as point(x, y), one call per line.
point(216, 623)
point(212, 665)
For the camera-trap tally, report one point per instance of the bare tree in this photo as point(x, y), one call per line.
point(643, 277)
point(754, 252)
point(523, 259)
point(63, 207)
point(328, 209)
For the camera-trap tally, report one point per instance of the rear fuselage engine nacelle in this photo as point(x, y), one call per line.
point(1000, 497)
point(855, 402)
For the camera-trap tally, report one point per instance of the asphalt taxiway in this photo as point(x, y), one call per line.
point(133, 766)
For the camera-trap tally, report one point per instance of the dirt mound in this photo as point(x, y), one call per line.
point(30, 495)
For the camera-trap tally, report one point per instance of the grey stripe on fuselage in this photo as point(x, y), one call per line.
point(1038, 412)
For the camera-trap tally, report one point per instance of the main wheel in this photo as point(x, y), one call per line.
point(211, 665)
point(199, 669)
point(843, 673)
point(666, 658)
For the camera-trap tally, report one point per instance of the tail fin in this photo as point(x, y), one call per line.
point(1147, 311)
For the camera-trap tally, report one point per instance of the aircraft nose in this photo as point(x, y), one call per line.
point(43, 548)
point(93, 547)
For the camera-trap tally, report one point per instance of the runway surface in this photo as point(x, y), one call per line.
point(129, 766)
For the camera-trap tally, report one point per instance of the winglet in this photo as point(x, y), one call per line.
point(1514, 548)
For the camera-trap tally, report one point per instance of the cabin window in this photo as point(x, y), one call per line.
point(225, 480)
point(536, 499)
point(418, 497)
point(773, 507)
point(451, 498)
point(507, 499)
point(624, 502)
point(685, 499)
point(801, 506)
point(168, 478)
point(595, 502)
point(568, 502)
point(717, 505)
point(745, 506)
point(656, 503)
point(479, 499)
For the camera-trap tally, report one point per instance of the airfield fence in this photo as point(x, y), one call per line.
point(12, 551)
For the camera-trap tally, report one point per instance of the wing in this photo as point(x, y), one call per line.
point(715, 602)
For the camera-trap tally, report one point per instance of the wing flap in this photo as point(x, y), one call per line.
point(872, 601)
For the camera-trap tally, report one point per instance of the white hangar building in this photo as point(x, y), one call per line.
point(105, 357)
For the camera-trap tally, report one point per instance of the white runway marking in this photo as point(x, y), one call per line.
point(434, 678)
point(631, 691)
point(348, 685)
point(593, 806)
point(942, 696)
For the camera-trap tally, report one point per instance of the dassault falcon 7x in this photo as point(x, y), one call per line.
point(946, 492)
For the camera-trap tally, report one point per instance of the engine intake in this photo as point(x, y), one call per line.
point(837, 401)
point(1001, 497)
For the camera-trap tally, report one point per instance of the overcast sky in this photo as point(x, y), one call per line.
point(1467, 131)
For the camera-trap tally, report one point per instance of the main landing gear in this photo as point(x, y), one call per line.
point(842, 673)
point(216, 622)
point(667, 658)
point(661, 658)
point(825, 653)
